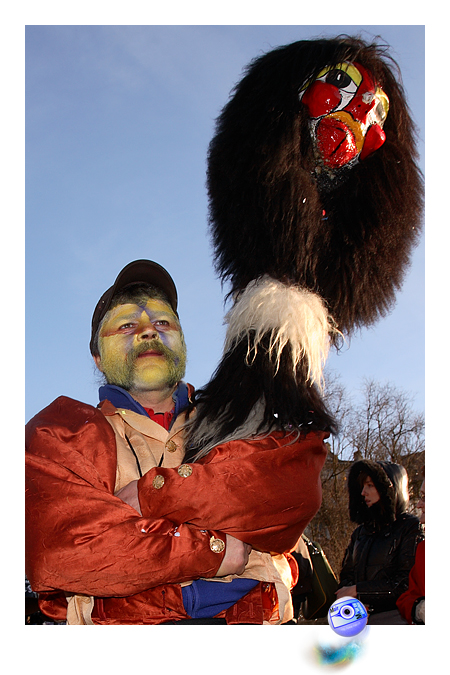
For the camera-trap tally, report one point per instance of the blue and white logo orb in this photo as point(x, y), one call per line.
point(347, 617)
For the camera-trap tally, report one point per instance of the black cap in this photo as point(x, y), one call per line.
point(138, 271)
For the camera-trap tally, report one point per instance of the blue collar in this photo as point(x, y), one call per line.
point(120, 398)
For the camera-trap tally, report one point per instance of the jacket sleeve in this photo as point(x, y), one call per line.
point(381, 593)
point(80, 538)
point(347, 575)
point(261, 492)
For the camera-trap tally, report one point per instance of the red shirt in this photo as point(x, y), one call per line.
point(164, 419)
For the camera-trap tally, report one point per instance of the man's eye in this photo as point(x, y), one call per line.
point(124, 326)
point(161, 322)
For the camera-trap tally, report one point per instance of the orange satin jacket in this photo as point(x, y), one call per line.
point(83, 539)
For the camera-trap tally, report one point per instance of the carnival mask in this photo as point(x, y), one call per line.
point(347, 111)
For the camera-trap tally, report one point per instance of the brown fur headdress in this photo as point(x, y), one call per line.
point(347, 237)
point(338, 241)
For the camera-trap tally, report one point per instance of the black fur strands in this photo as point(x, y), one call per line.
point(348, 240)
point(250, 398)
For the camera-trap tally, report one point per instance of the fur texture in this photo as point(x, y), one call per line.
point(247, 399)
point(298, 243)
point(349, 238)
point(270, 376)
point(288, 315)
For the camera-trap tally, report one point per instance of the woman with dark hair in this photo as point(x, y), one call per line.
point(381, 551)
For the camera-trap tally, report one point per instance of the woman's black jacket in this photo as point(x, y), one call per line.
point(379, 562)
point(382, 549)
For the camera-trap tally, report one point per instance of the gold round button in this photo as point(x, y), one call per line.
point(216, 545)
point(171, 446)
point(185, 470)
point(158, 481)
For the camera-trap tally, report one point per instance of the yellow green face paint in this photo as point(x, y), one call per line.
point(142, 346)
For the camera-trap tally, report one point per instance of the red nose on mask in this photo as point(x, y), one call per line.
point(374, 139)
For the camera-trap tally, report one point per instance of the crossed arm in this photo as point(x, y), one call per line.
point(84, 539)
point(236, 551)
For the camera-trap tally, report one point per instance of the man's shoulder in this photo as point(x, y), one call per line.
point(64, 403)
point(66, 412)
point(73, 435)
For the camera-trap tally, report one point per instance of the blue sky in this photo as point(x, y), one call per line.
point(118, 120)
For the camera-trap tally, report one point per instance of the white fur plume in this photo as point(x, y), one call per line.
point(291, 315)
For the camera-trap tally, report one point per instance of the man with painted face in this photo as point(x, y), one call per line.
point(120, 528)
point(105, 487)
point(138, 344)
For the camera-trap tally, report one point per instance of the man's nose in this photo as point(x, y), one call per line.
point(147, 330)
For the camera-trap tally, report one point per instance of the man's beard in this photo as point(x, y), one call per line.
point(123, 374)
